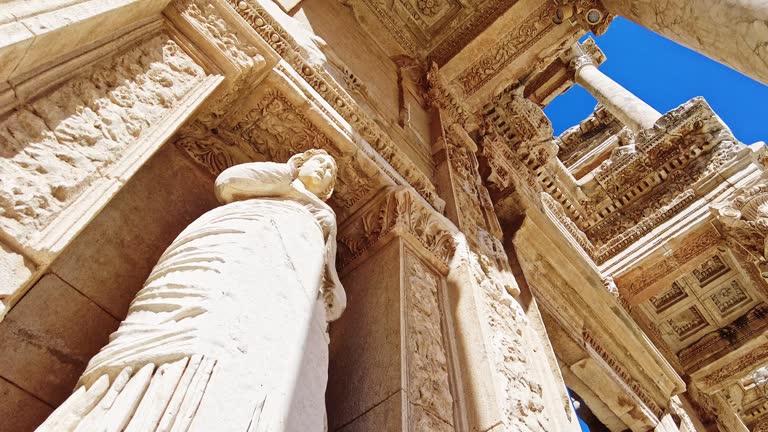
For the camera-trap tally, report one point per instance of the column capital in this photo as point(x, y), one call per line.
point(587, 53)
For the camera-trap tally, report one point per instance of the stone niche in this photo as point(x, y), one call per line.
point(66, 317)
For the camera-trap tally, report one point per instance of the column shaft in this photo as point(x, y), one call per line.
point(628, 108)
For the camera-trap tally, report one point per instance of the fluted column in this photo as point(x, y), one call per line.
point(732, 32)
point(625, 106)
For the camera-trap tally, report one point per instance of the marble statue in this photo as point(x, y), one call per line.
point(229, 331)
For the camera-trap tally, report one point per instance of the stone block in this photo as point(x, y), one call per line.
point(365, 349)
point(111, 258)
point(49, 336)
point(20, 411)
point(59, 31)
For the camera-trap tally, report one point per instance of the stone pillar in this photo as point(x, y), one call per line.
point(625, 106)
point(391, 354)
point(732, 32)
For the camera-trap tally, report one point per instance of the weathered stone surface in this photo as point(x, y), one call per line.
point(423, 103)
point(365, 347)
point(16, 271)
point(385, 416)
point(48, 337)
point(49, 29)
point(19, 409)
point(733, 32)
point(54, 148)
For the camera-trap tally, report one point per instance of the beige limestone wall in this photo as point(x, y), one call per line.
point(67, 316)
point(733, 32)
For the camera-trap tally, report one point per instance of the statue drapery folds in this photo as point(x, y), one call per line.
point(229, 330)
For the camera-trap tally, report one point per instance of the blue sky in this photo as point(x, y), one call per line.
point(665, 75)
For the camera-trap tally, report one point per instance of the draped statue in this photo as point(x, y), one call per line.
point(229, 331)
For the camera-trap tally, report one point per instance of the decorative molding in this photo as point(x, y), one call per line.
point(323, 83)
point(744, 218)
point(593, 345)
point(397, 210)
point(531, 30)
point(735, 369)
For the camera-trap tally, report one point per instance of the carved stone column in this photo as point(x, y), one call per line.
point(733, 32)
point(625, 106)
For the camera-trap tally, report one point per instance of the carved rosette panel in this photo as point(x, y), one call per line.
point(429, 392)
point(55, 147)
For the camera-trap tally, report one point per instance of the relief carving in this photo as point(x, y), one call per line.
point(243, 60)
point(734, 369)
point(687, 322)
point(428, 384)
point(519, 39)
point(595, 346)
point(709, 270)
point(53, 148)
point(522, 396)
point(669, 297)
point(744, 218)
point(399, 210)
point(273, 129)
point(729, 297)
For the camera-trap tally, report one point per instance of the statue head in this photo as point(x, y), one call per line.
point(316, 169)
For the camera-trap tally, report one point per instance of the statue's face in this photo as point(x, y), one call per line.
point(317, 173)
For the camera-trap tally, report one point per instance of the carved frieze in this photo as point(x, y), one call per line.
point(67, 143)
point(729, 297)
point(744, 218)
point(433, 30)
point(734, 369)
point(274, 129)
point(579, 140)
point(231, 44)
point(506, 168)
point(669, 297)
point(599, 351)
point(506, 50)
point(710, 269)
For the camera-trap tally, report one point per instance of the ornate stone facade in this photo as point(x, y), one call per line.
point(488, 265)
